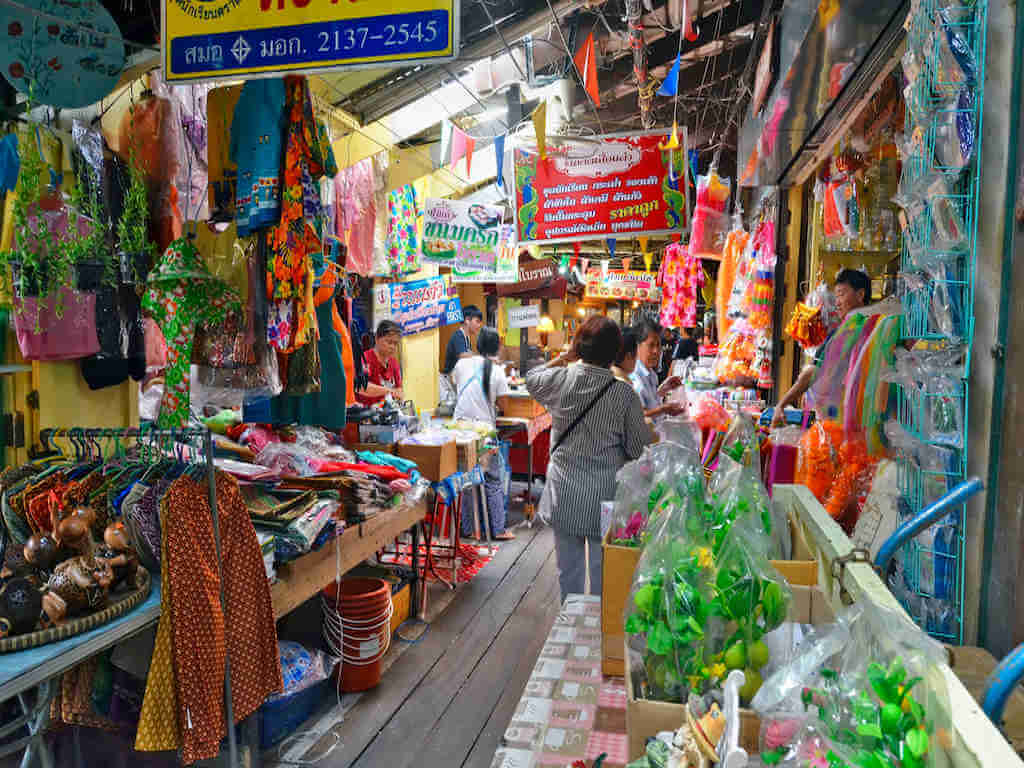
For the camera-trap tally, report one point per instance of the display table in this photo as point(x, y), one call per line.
point(568, 712)
point(303, 578)
point(42, 667)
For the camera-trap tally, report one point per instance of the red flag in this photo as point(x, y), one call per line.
point(586, 65)
point(462, 146)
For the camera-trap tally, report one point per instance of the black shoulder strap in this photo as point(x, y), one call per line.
point(562, 437)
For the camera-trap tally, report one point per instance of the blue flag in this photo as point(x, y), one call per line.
point(499, 151)
point(670, 85)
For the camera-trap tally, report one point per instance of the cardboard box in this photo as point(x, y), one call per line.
point(468, 454)
point(436, 462)
point(523, 408)
point(618, 565)
point(645, 719)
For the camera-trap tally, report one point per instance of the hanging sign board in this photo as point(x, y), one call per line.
point(615, 186)
point(219, 39)
point(620, 285)
point(524, 317)
point(417, 305)
point(534, 274)
point(469, 238)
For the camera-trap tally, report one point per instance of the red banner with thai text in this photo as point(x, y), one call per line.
point(591, 190)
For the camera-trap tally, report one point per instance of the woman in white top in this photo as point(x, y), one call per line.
point(482, 389)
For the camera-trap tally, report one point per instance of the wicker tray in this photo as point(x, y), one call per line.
point(118, 606)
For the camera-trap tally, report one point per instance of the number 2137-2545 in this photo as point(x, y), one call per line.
point(392, 35)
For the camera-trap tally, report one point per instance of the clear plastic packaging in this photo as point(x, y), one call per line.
point(288, 459)
point(700, 607)
point(955, 132)
point(873, 691)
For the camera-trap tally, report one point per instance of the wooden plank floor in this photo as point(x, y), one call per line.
point(446, 700)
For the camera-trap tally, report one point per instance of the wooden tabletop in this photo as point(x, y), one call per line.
point(304, 577)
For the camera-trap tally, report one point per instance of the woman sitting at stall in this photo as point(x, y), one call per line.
point(597, 426)
point(382, 369)
point(482, 389)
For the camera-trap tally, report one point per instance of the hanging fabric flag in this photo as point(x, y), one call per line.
point(611, 247)
point(586, 65)
point(670, 85)
point(604, 269)
point(627, 261)
point(462, 146)
point(446, 140)
point(648, 260)
point(499, 156)
point(643, 240)
point(584, 264)
point(540, 127)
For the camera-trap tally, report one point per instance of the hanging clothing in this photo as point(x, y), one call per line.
point(181, 293)
point(257, 148)
point(292, 243)
point(323, 408)
point(356, 200)
point(202, 631)
point(681, 278)
point(735, 243)
point(403, 240)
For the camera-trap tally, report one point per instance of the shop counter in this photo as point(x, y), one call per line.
point(304, 577)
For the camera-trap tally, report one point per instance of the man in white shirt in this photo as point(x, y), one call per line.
point(644, 377)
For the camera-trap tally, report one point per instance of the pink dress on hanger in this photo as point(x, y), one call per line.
point(357, 213)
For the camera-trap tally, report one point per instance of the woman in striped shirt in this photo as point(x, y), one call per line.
point(597, 426)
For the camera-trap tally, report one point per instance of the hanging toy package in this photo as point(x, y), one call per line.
point(710, 222)
point(955, 132)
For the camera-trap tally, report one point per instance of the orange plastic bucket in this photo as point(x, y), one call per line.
point(357, 627)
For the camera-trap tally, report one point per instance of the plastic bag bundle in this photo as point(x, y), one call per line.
point(818, 458)
point(645, 488)
point(697, 610)
point(734, 364)
point(710, 222)
point(738, 497)
point(856, 471)
point(872, 693)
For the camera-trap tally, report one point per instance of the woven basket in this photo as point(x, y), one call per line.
point(117, 607)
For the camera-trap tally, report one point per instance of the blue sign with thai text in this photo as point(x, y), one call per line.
point(418, 305)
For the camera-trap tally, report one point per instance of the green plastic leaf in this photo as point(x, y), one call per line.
point(917, 741)
point(774, 757)
point(659, 639)
point(870, 730)
point(635, 624)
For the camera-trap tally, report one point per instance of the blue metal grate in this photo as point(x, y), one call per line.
point(941, 307)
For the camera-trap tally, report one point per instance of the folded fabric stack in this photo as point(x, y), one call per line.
point(266, 540)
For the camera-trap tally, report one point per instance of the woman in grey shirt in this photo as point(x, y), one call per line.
point(597, 426)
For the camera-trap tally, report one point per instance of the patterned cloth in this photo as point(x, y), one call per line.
point(681, 278)
point(201, 631)
point(292, 243)
point(182, 293)
point(568, 712)
point(403, 241)
point(159, 729)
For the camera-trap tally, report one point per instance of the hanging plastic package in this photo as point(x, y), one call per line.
point(956, 49)
point(955, 133)
point(710, 222)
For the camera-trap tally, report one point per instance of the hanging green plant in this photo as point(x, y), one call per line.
point(40, 263)
point(89, 252)
point(135, 248)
